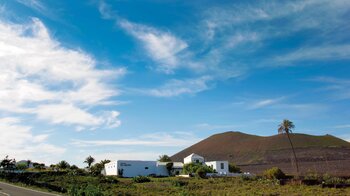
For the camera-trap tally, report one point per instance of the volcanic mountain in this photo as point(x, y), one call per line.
point(324, 153)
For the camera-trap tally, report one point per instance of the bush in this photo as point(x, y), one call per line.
point(347, 181)
point(77, 172)
point(201, 172)
point(333, 180)
point(245, 177)
point(232, 168)
point(191, 168)
point(141, 179)
point(108, 179)
point(179, 183)
point(274, 173)
point(312, 176)
point(22, 166)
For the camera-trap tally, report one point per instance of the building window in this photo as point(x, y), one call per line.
point(146, 167)
point(222, 166)
point(197, 161)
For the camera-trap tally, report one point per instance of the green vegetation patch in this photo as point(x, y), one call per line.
point(109, 185)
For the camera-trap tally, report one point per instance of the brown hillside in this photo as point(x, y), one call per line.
point(245, 149)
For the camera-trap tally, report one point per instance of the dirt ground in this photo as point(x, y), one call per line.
point(337, 167)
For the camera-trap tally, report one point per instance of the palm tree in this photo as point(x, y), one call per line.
point(63, 164)
point(89, 160)
point(286, 127)
point(164, 158)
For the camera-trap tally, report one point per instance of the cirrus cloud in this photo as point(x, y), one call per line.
point(59, 85)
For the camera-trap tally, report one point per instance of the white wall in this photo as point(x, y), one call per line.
point(111, 168)
point(217, 166)
point(136, 168)
point(193, 159)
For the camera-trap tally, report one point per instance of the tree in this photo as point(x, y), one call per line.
point(53, 166)
point(74, 167)
point(191, 168)
point(98, 167)
point(164, 158)
point(63, 164)
point(169, 167)
point(22, 166)
point(232, 168)
point(39, 166)
point(274, 173)
point(29, 162)
point(89, 160)
point(286, 127)
point(8, 164)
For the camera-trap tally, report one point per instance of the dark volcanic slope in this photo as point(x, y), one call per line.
point(243, 149)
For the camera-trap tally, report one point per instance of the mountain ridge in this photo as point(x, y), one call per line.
point(242, 148)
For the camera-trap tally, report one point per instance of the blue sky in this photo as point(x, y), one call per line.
point(136, 79)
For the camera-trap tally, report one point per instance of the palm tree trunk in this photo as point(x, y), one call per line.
point(295, 157)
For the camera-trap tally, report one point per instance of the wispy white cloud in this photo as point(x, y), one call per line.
point(130, 155)
point(254, 24)
point(19, 141)
point(333, 52)
point(296, 14)
point(345, 126)
point(162, 47)
point(266, 102)
point(155, 139)
point(281, 107)
point(39, 76)
point(66, 114)
point(241, 38)
point(34, 4)
point(106, 11)
point(207, 126)
point(177, 87)
point(339, 87)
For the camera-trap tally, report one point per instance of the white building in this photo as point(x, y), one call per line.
point(193, 158)
point(130, 168)
point(221, 167)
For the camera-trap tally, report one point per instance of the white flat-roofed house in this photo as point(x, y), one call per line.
point(220, 167)
point(193, 158)
point(132, 168)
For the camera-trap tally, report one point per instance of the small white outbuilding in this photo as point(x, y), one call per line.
point(221, 167)
point(193, 158)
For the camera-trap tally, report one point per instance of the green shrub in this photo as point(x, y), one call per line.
point(312, 176)
point(333, 180)
point(347, 181)
point(108, 179)
point(76, 172)
point(22, 166)
point(191, 168)
point(201, 172)
point(326, 177)
point(247, 177)
point(141, 179)
point(233, 168)
point(89, 190)
point(179, 183)
point(274, 173)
